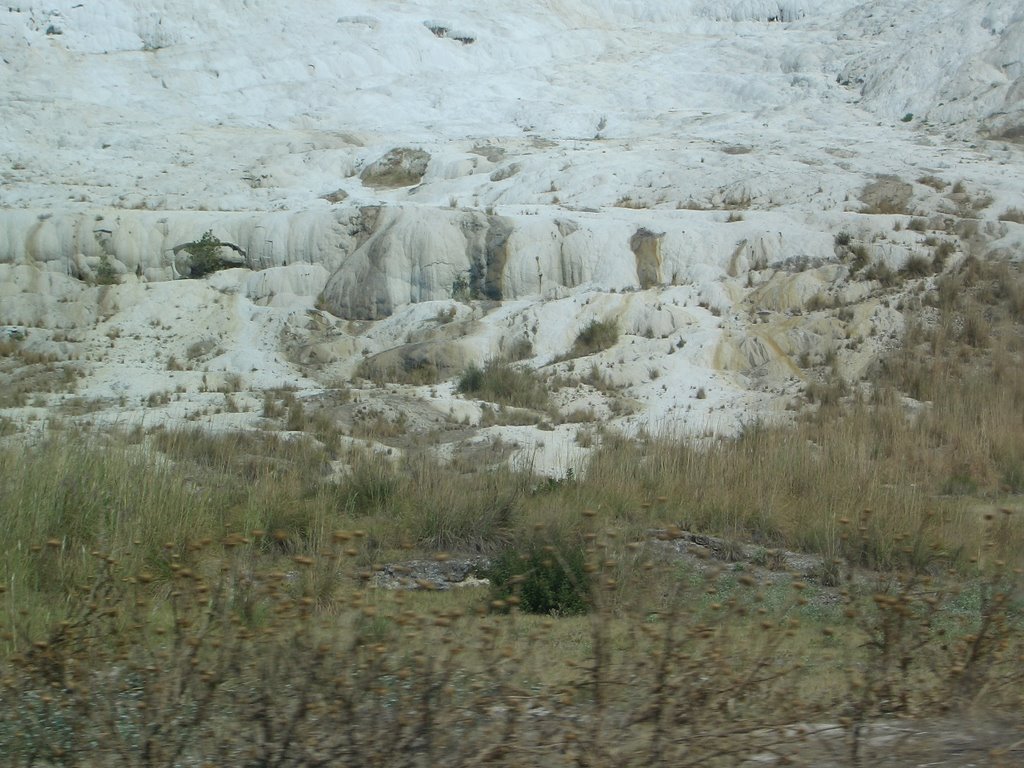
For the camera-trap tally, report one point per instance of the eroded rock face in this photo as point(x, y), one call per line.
point(278, 285)
point(425, 255)
point(380, 258)
point(408, 258)
point(971, 70)
point(417, 254)
point(144, 242)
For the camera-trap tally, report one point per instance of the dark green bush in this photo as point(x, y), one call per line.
point(471, 381)
point(547, 578)
point(205, 255)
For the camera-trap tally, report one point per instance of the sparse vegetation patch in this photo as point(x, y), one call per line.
point(596, 336)
point(1015, 215)
point(504, 383)
point(887, 195)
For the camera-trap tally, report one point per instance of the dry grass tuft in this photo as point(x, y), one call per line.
point(1015, 215)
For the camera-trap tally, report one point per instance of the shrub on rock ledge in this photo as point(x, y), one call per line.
point(204, 255)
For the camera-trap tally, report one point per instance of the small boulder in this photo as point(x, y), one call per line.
point(337, 196)
point(400, 167)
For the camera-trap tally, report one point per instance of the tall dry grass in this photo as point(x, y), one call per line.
point(785, 488)
point(78, 495)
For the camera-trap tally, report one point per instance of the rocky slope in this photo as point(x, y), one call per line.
point(411, 188)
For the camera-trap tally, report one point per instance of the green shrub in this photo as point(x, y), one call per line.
point(500, 382)
point(205, 255)
point(546, 578)
point(472, 380)
point(597, 336)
